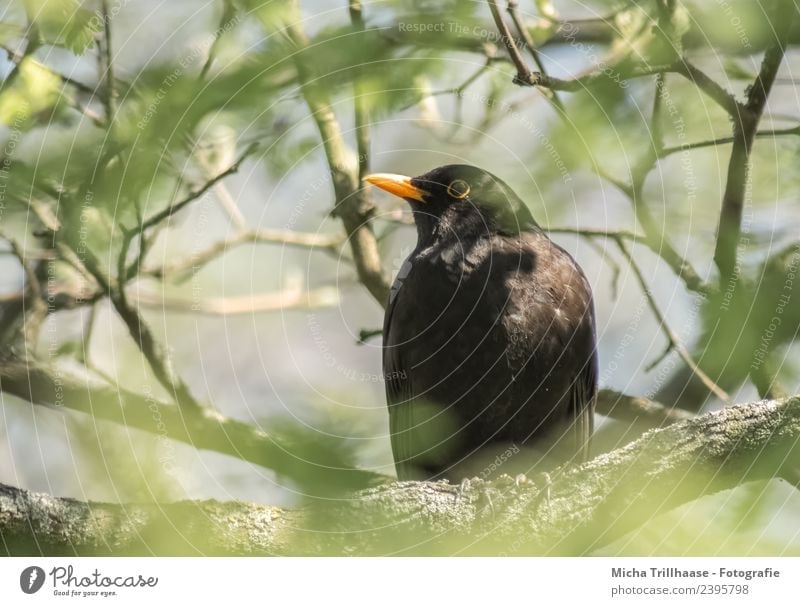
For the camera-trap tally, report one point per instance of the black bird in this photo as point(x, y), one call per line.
point(489, 334)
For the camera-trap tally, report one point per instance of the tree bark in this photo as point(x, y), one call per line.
point(574, 511)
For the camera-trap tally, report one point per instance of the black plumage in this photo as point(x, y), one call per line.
point(489, 336)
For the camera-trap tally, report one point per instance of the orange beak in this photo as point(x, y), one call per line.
point(398, 185)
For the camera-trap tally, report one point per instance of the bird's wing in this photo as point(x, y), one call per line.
point(583, 391)
point(583, 396)
point(552, 319)
point(399, 390)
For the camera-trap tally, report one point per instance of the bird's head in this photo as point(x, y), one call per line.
point(458, 197)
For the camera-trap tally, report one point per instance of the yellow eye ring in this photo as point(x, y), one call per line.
point(458, 189)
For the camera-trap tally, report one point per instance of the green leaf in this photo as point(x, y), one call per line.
point(65, 22)
point(34, 90)
point(80, 30)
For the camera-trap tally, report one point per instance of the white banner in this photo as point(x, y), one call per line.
point(399, 581)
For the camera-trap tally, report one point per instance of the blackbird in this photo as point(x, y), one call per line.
point(489, 334)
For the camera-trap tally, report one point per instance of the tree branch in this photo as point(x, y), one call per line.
point(724, 99)
point(177, 206)
point(202, 427)
point(352, 206)
point(775, 132)
point(105, 54)
point(634, 409)
point(291, 298)
point(680, 266)
point(226, 20)
point(655, 239)
point(195, 262)
point(155, 354)
point(526, 77)
point(745, 127)
point(663, 469)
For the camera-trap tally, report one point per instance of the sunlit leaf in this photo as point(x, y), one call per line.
point(34, 89)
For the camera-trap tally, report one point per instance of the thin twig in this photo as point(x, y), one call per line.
point(360, 109)
point(633, 409)
point(197, 261)
point(107, 66)
point(778, 132)
point(34, 307)
point(672, 337)
point(157, 358)
point(290, 299)
point(524, 74)
point(724, 99)
point(224, 196)
point(531, 47)
point(680, 266)
point(598, 233)
point(226, 18)
point(459, 90)
point(177, 206)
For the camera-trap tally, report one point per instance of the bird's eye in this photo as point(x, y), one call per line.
point(458, 189)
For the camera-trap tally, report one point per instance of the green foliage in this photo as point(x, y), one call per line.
point(33, 90)
point(65, 22)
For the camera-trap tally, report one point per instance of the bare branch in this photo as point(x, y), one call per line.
point(285, 300)
point(195, 262)
point(153, 352)
point(157, 357)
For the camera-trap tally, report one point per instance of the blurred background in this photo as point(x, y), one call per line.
point(283, 335)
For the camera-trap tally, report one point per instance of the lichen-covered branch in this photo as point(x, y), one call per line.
point(588, 506)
